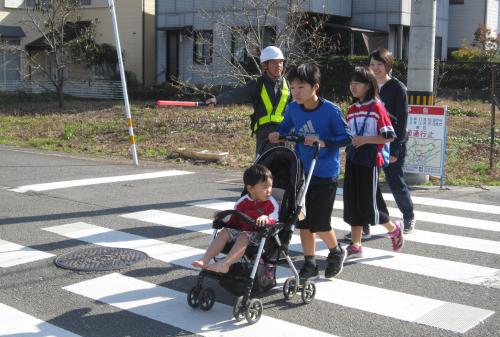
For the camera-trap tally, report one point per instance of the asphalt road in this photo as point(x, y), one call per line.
point(445, 283)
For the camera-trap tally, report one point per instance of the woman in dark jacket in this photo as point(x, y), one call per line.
point(393, 95)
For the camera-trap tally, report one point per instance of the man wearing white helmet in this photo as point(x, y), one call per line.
point(269, 95)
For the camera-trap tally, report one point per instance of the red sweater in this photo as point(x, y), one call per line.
point(254, 209)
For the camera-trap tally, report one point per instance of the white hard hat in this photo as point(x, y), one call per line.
point(271, 53)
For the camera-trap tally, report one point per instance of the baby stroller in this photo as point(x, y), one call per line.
point(256, 273)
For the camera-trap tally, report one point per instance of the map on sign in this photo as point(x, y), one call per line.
point(426, 140)
point(425, 153)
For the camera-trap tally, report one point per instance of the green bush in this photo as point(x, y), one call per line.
point(465, 75)
point(336, 73)
point(463, 112)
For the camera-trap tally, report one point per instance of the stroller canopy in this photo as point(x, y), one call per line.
point(287, 176)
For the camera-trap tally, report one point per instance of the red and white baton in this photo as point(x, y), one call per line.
point(180, 103)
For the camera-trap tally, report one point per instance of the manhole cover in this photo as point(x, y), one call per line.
point(100, 258)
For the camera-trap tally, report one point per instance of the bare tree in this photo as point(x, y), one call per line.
point(62, 36)
point(243, 31)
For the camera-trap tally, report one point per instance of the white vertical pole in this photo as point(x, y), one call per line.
point(133, 148)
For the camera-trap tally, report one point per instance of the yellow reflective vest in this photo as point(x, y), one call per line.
point(274, 114)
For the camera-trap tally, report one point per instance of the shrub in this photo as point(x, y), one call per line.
point(336, 73)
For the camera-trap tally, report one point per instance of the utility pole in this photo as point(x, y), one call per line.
point(132, 139)
point(421, 62)
point(421, 55)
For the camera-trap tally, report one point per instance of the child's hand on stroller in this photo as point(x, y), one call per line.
point(274, 137)
point(311, 139)
point(261, 221)
point(225, 219)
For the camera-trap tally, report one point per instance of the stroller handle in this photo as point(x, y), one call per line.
point(300, 139)
point(219, 223)
point(293, 138)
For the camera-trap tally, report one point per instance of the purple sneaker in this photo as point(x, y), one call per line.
point(397, 237)
point(354, 252)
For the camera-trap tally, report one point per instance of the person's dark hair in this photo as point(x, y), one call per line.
point(365, 75)
point(305, 72)
point(255, 174)
point(384, 56)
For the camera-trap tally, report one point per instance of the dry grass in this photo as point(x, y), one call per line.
point(99, 128)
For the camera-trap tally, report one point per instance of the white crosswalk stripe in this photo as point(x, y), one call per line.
point(12, 254)
point(450, 220)
point(16, 323)
point(381, 301)
point(421, 236)
point(444, 203)
point(444, 269)
point(153, 301)
point(97, 181)
point(169, 306)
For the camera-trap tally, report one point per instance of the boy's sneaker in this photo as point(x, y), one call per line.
point(308, 271)
point(335, 263)
point(354, 252)
point(397, 237)
point(409, 226)
point(365, 236)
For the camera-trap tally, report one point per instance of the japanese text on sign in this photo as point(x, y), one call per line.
point(426, 140)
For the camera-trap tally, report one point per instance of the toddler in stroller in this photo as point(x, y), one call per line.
point(258, 205)
point(261, 241)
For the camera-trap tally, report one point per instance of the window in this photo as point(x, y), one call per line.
point(244, 46)
point(438, 47)
point(456, 2)
point(202, 46)
point(32, 3)
point(10, 61)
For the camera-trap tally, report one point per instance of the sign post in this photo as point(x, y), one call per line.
point(133, 148)
point(426, 146)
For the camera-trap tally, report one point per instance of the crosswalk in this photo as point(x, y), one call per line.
point(165, 305)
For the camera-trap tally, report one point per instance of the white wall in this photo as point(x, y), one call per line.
point(464, 20)
point(442, 17)
point(331, 7)
point(190, 13)
point(379, 14)
point(492, 16)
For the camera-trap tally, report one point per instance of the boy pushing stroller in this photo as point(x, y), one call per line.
point(261, 237)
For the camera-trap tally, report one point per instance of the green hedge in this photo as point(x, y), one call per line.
point(465, 75)
point(468, 76)
point(336, 73)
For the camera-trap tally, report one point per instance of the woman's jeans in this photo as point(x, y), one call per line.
point(395, 178)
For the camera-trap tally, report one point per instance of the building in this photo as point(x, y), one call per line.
point(466, 16)
point(363, 25)
point(393, 18)
point(136, 24)
point(167, 39)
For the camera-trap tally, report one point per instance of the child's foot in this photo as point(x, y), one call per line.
point(354, 252)
point(335, 263)
point(198, 264)
point(365, 236)
point(397, 237)
point(308, 271)
point(218, 267)
point(409, 225)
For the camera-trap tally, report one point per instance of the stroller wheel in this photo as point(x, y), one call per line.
point(289, 288)
point(254, 311)
point(207, 299)
point(192, 297)
point(308, 292)
point(239, 309)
